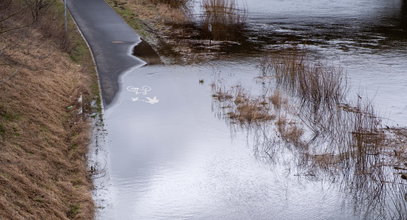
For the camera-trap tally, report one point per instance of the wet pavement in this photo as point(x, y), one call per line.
point(110, 39)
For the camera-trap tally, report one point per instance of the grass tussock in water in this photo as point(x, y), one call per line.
point(242, 108)
point(223, 19)
point(318, 118)
point(315, 83)
point(328, 135)
point(322, 93)
point(47, 82)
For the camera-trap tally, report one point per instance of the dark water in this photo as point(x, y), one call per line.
point(368, 38)
point(367, 25)
point(172, 157)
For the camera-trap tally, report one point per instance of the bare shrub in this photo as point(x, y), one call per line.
point(45, 15)
point(37, 7)
point(27, 12)
point(55, 29)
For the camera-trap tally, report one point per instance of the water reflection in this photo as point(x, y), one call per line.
point(346, 147)
point(175, 160)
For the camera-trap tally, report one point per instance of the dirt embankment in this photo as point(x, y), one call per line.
point(47, 81)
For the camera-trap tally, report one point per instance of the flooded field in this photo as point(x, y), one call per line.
point(178, 150)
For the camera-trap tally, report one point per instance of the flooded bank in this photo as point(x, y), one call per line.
point(175, 153)
point(173, 157)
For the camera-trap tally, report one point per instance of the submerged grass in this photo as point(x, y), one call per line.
point(241, 108)
point(315, 83)
point(328, 135)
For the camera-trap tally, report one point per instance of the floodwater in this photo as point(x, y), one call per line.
point(175, 159)
point(172, 156)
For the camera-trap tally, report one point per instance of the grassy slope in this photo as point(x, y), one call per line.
point(43, 139)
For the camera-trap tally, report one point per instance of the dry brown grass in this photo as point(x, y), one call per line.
point(250, 112)
point(177, 37)
point(277, 100)
point(173, 15)
point(317, 84)
point(43, 172)
point(290, 132)
point(241, 107)
point(172, 3)
point(222, 95)
point(223, 19)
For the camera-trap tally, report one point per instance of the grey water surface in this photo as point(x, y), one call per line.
point(176, 160)
point(172, 157)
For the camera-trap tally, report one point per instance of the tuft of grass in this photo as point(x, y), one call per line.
point(242, 108)
point(223, 20)
point(276, 100)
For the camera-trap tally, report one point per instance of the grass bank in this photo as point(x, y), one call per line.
point(47, 84)
point(178, 37)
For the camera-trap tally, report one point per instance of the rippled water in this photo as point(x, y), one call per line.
point(171, 157)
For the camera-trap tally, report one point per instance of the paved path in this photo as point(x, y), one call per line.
point(110, 39)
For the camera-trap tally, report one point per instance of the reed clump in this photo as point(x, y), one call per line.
point(223, 20)
point(172, 3)
point(314, 83)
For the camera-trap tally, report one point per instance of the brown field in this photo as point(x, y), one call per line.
point(43, 136)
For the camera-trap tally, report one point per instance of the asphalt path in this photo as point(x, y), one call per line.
point(110, 39)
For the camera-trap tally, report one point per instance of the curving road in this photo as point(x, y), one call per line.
point(110, 39)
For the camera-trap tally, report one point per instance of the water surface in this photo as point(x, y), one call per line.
point(172, 157)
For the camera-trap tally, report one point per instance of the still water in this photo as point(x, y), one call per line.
point(171, 157)
point(176, 160)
